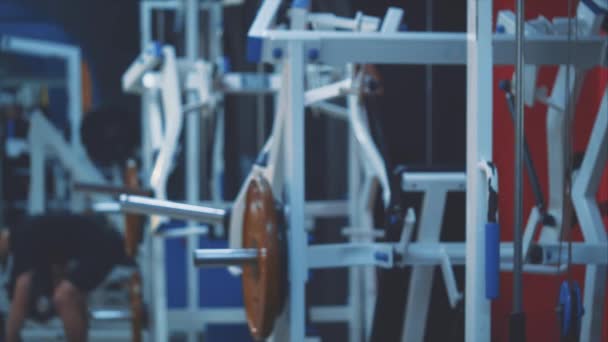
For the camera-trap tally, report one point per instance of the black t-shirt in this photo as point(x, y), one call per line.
point(42, 241)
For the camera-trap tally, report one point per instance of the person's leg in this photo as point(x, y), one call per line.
point(70, 304)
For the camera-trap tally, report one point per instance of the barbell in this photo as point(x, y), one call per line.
point(262, 258)
point(133, 223)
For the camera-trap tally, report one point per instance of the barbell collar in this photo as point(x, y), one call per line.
point(152, 206)
point(225, 257)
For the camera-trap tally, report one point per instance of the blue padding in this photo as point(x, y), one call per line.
point(566, 306)
point(155, 49)
point(175, 266)
point(13, 12)
point(227, 332)
point(568, 311)
point(305, 4)
point(381, 256)
point(34, 30)
point(492, 260)
point(173, 224)
point(57, 107)
point(595, 7)
point(10, 128)
point(226, 64)
point(254, 49)
point(217, 287)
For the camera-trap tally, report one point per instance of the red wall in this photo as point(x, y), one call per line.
point(540, 292)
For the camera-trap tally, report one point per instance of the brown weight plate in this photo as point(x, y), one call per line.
point(137, 312)
point(133, 223)
point(261, 281)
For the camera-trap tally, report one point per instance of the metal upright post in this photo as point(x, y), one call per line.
point(429, 92)
point(75, 100)
point(356, 275)
point(479, 148)
point(154, 261)
point(584, 191)
point(297, 239)
point(193, 152)
point(216, 34)
point(517, 328)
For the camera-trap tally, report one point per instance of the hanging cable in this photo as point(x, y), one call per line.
point(517, 328)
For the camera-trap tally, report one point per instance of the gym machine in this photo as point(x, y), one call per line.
point(260, 204)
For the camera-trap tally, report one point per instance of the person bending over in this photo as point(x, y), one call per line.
point(73, 252)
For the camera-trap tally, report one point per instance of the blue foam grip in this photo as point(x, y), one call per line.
point(226, 64)
point(10, 128)
point(158, 49)
point(568, 311)
point(566, 306)
point(492, 260)
point(381, 256)
point(305, 4)
point(254, 49)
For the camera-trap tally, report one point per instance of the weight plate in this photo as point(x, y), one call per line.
point(261, 280)
point(133, 222)
point(137, 312)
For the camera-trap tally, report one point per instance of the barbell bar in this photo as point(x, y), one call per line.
point(151, 206)
point(226, 257)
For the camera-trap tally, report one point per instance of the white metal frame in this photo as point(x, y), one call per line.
point(232, 80)
point(435, 187)
point(480, 50)
point(46, 141)
point(584, 192)
point(587, 24)
point(72, 57)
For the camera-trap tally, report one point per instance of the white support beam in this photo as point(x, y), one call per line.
point(432, 253)
point(479, 148)
point(419, 291)
point(584, 191)
point(425, 181)
point(70, 54)
point(295, 186)
point(432, 48)
point(194, 173)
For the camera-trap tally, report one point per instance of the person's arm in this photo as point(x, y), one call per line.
point(18, 310)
